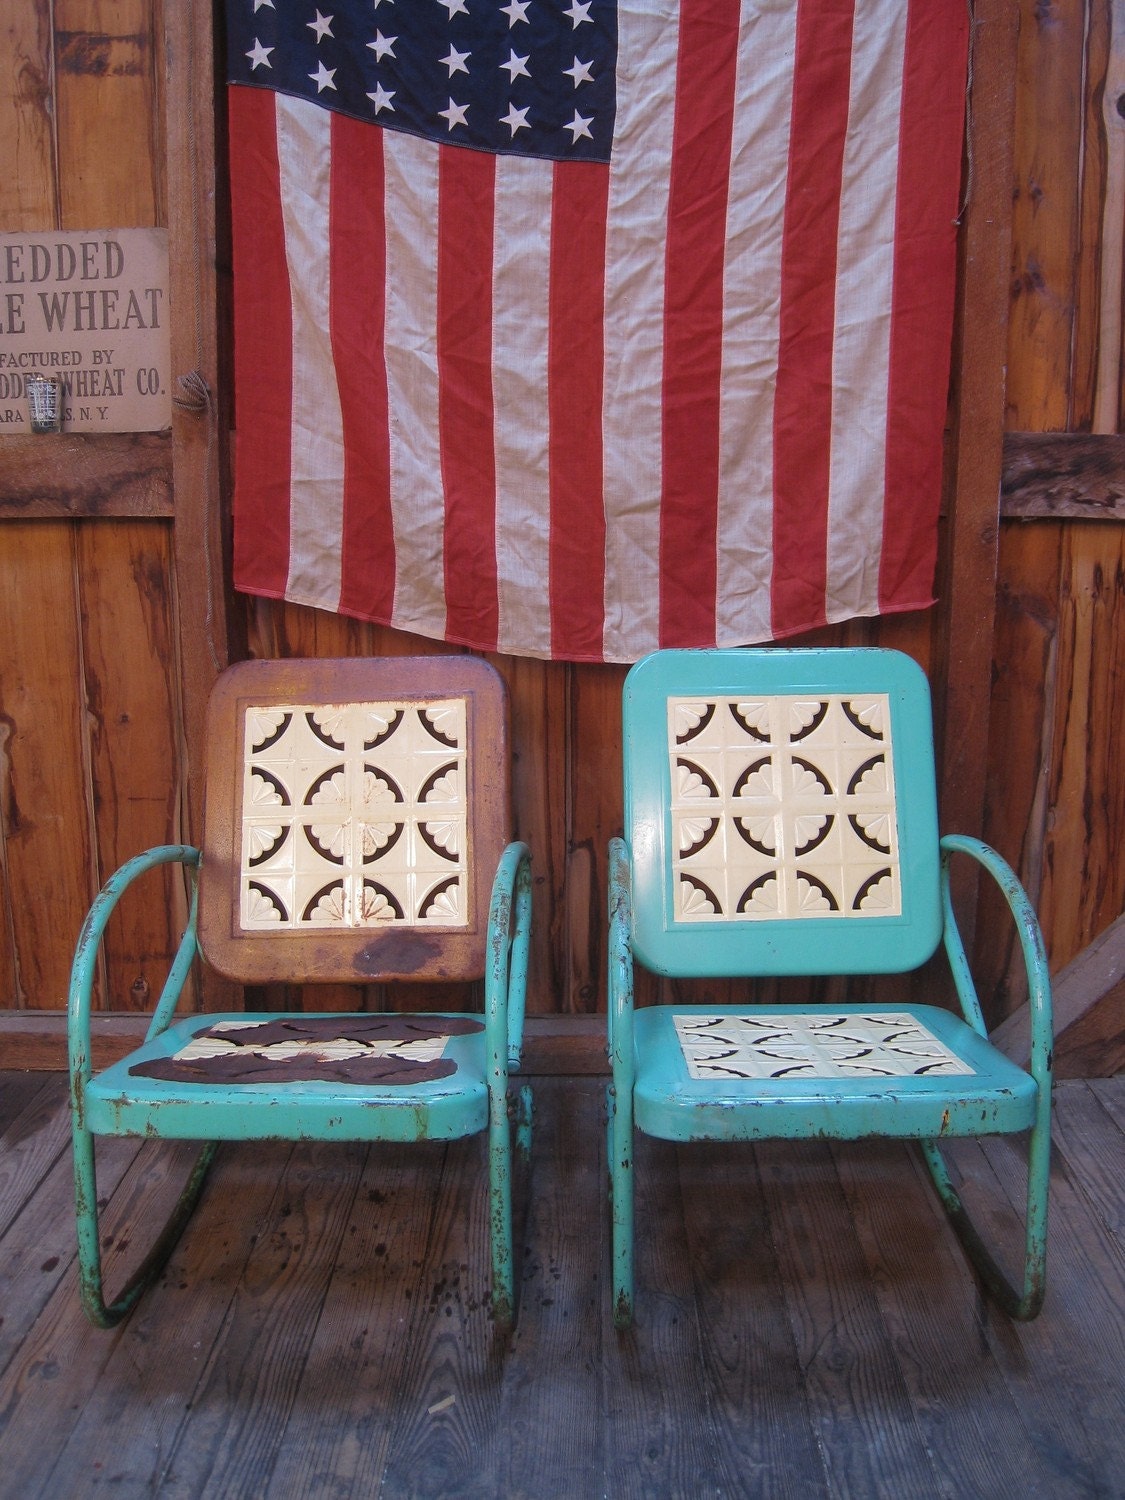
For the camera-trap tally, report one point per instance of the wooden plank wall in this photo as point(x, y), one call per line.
point(1056, 768)
point(89, 705)
point(98, 699)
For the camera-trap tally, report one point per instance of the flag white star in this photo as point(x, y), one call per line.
point(578, 13)
point(515, 67)
point(455, 114)
point(377, 3)
point(383, 46)
point(259, 3)
point(455, 61)
point(322, 26)
point(515, 10)
point(515, 119)
point(580, 125)
point(455, 7)
point(581, 72)
point(381, 98)
point(259, 56)
point(323, 78)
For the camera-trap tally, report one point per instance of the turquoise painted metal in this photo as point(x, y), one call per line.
point(820, 763)
point(474, 1098)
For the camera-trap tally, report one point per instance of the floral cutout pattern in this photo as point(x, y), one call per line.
point(782, 807)
point(813, 1045)
point(354, 815)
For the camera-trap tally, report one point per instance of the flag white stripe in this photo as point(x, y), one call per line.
point(751, 323)
point(632, 419)
point(861, 348)
point(417, 496)
point(316, 512)
point(520, 303)
point(632, 374)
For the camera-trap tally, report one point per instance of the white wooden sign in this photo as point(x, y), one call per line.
point(89, 306)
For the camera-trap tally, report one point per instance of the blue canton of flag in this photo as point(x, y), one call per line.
point(523, 78)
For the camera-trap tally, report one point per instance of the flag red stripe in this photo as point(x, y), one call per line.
point(803, 403)
point(263, 356)
point(693, 320)
point(466, 190)
point(922, 300)
point(358, 312)
point(575, 382)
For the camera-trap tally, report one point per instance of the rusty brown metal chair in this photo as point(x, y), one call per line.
point(356, 830)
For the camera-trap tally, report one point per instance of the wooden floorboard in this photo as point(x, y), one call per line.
point(806, 1325)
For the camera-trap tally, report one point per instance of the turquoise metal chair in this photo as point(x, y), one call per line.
point(356, 830)
point(780, 819)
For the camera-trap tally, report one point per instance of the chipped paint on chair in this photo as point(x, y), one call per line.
point(356, 829)
point(780, 819)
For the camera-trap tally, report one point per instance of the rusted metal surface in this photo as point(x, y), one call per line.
point(687, 1072)
point(297, 1077)
point(343, 953)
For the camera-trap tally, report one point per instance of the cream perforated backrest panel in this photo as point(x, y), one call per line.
point(782, 807)
point(354, 816)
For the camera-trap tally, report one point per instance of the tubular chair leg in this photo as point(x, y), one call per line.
point(525, 1117)
point(500, 1212)
point(104, 1314)
point(619, 1132)
point(1021, 1305)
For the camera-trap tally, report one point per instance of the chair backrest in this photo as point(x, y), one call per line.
point(780, 810)
point(355, 814)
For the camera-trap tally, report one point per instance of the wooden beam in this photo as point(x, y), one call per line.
point(200, 424)
point(198, 431)
point(554, 1046)
point(1089, 1009)
point(1049, 476)
point(966, 609)
point(965, 615)
point(72, 475)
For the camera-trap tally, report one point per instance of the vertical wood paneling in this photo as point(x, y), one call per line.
point(1091, 169)
point(538, 696)
point(594, 790)
point(9, 972)
point(1050, 109)
point(966, 573)
point(132, 718)
point(1084, 874)
point(1020, 742)
point(110, 151)
point(1055, 770)
point(88, 670)
point(27, 183)
point(27, 201)
point(44, 798)
point(93, 661)
point(109, 114)
point(201, 410)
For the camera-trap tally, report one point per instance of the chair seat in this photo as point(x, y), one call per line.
point(750, 1073)
point(288, 1074)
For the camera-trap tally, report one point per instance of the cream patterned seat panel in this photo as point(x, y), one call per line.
point(816, 1044)
point(782, 807)
point(354, 816)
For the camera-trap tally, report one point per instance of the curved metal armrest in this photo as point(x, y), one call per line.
point(1025, 1300)
point(509, 936)
point(620, 976)
point(89, 940)
point(1031, 945)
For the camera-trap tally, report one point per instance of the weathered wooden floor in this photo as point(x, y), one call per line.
point(807, 1324)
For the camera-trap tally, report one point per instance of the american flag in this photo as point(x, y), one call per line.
point(577, 329)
